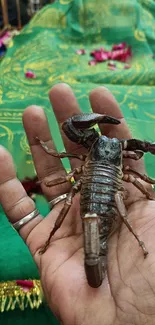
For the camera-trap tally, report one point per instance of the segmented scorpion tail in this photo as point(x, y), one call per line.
point(93, 263)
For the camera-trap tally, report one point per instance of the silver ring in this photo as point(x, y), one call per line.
point(19, 224)
point(58, 199)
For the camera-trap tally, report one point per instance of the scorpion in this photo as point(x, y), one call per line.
point(101, 189)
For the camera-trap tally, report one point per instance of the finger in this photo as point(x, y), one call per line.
point(103, 102)
point(17, 205)
point(13, 196)
point(47, 166)
point(65, 105)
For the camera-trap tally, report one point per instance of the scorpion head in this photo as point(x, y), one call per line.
point(107, 150)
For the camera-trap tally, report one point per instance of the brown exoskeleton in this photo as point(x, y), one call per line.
point(100, 186)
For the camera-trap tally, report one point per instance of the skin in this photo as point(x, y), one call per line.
point(127, 295)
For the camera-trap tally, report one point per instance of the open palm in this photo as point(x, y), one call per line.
point(127, 295)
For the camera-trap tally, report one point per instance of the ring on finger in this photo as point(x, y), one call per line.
point(57, 199)
point(22, 222)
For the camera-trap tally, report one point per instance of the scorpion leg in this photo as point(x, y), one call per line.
point(63, 179)
point(132, 179)
point(143, 177)
point(59, 154)
point(76, 187)
point(123, 214)
point(93, 263)
point(133, 155)
point(135, 144)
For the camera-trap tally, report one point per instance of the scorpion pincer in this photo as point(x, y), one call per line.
point(100, 185)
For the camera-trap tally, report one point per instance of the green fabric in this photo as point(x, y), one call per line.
point(47, 46)
point(27, 317)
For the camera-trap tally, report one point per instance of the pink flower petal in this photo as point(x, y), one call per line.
point(121, 55)
point(25, 284)
point(30, 74)
point(81, 52)
point(4, 38)
point(119, 46)
point(100, 55)
point(92, 52)
point(92, 62)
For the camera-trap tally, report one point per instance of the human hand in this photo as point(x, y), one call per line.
point(127, 295)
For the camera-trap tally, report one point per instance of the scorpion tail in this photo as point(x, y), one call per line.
point(93, 263)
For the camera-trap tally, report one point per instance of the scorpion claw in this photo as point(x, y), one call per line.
point(84, 121)
point(110, 120)
point(77, 127)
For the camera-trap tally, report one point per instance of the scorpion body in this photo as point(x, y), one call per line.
point(100, 186)
point(101, 179)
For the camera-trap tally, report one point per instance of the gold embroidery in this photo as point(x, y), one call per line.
point(30, 162)
point(51, 18)
point(24, 145)
point(132, 106)
point(13, 295)
point(10, 115)
point(139, 35)
point(10, 134)
point(150, 115)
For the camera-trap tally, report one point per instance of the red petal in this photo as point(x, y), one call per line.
point(30, 74)
point(81, 52)
point(100, 56)
point(92, 62)
point(121, 55)
point(25, 284)
point(119, 46)
point(92, 53)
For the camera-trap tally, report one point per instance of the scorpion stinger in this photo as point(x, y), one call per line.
point(77, 127)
